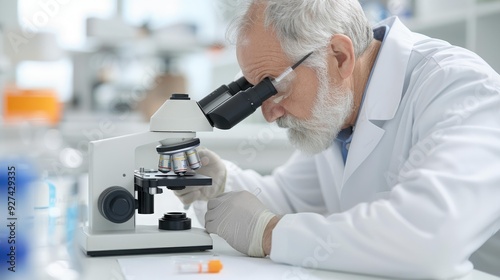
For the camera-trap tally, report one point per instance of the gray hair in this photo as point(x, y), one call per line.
point(302, 26)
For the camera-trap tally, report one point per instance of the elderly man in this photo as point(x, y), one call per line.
point(398, 138)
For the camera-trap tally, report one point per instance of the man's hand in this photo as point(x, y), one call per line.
point(241, 219)
point(211, 166)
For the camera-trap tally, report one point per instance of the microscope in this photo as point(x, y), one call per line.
point(126, 172)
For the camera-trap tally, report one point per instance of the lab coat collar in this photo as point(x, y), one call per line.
point(382, 97)
point(383, 93)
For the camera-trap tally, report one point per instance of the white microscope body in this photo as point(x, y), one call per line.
point(123, 175)
point(116, 165)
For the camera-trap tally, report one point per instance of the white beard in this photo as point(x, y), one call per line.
point(331, 109)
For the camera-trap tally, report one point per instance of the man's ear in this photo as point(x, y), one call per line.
point(343, 54)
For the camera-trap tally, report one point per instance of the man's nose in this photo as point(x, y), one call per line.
point(271, 110)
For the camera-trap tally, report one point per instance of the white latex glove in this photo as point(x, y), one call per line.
point(240, 219)
point(211, 166)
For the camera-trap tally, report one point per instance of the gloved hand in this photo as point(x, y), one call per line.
point(240, 219)
point(211, 166)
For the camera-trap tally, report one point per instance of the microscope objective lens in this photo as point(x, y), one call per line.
point(193, 159)
point(164, 164)
point(179, 163)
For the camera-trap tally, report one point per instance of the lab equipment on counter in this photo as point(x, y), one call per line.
point(210, 266)
point(126, 172)
point(38, 105)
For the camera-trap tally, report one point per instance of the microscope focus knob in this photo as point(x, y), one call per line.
point(116, 204)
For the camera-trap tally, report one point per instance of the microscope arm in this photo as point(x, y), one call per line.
point(112, 163)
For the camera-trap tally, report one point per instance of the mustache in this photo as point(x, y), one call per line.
point(288, 122)
point(281, 122)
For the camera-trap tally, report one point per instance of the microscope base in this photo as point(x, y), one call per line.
point(144, 240)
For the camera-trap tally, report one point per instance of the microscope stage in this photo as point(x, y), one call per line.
point(153, 178)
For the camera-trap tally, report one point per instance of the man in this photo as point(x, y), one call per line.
point(398, 138)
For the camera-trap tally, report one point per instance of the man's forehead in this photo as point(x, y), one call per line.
point(258, 61)
point(255, 35)
point(259, 47)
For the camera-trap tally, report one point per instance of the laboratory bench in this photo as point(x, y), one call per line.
point(235, 266)
point(257, 145)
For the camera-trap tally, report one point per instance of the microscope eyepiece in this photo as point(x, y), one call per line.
point(239, 85)
point(241, 105)
point(223, 93)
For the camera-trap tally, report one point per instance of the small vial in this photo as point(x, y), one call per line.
point(193, 159)
point(179, 163)
point(164, 164)
point(211, 266)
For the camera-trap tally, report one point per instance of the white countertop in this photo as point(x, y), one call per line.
point(96, 268)
point(248, 140)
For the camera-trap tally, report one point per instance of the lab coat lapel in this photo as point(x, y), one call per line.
point(383, 94)
point(362, 145)
point(330, 182)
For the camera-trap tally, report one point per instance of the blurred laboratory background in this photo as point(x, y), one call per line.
point(74, 71)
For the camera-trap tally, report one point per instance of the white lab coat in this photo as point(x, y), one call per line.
point(420, 191)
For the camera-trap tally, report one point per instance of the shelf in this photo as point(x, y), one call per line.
point(447, 18)
point(465, 23)
point(487, 8)
point(487, 45)
point(450, 28)
point(454, 16)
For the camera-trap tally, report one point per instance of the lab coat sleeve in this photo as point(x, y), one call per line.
point(446, 200)
point(293, 187)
